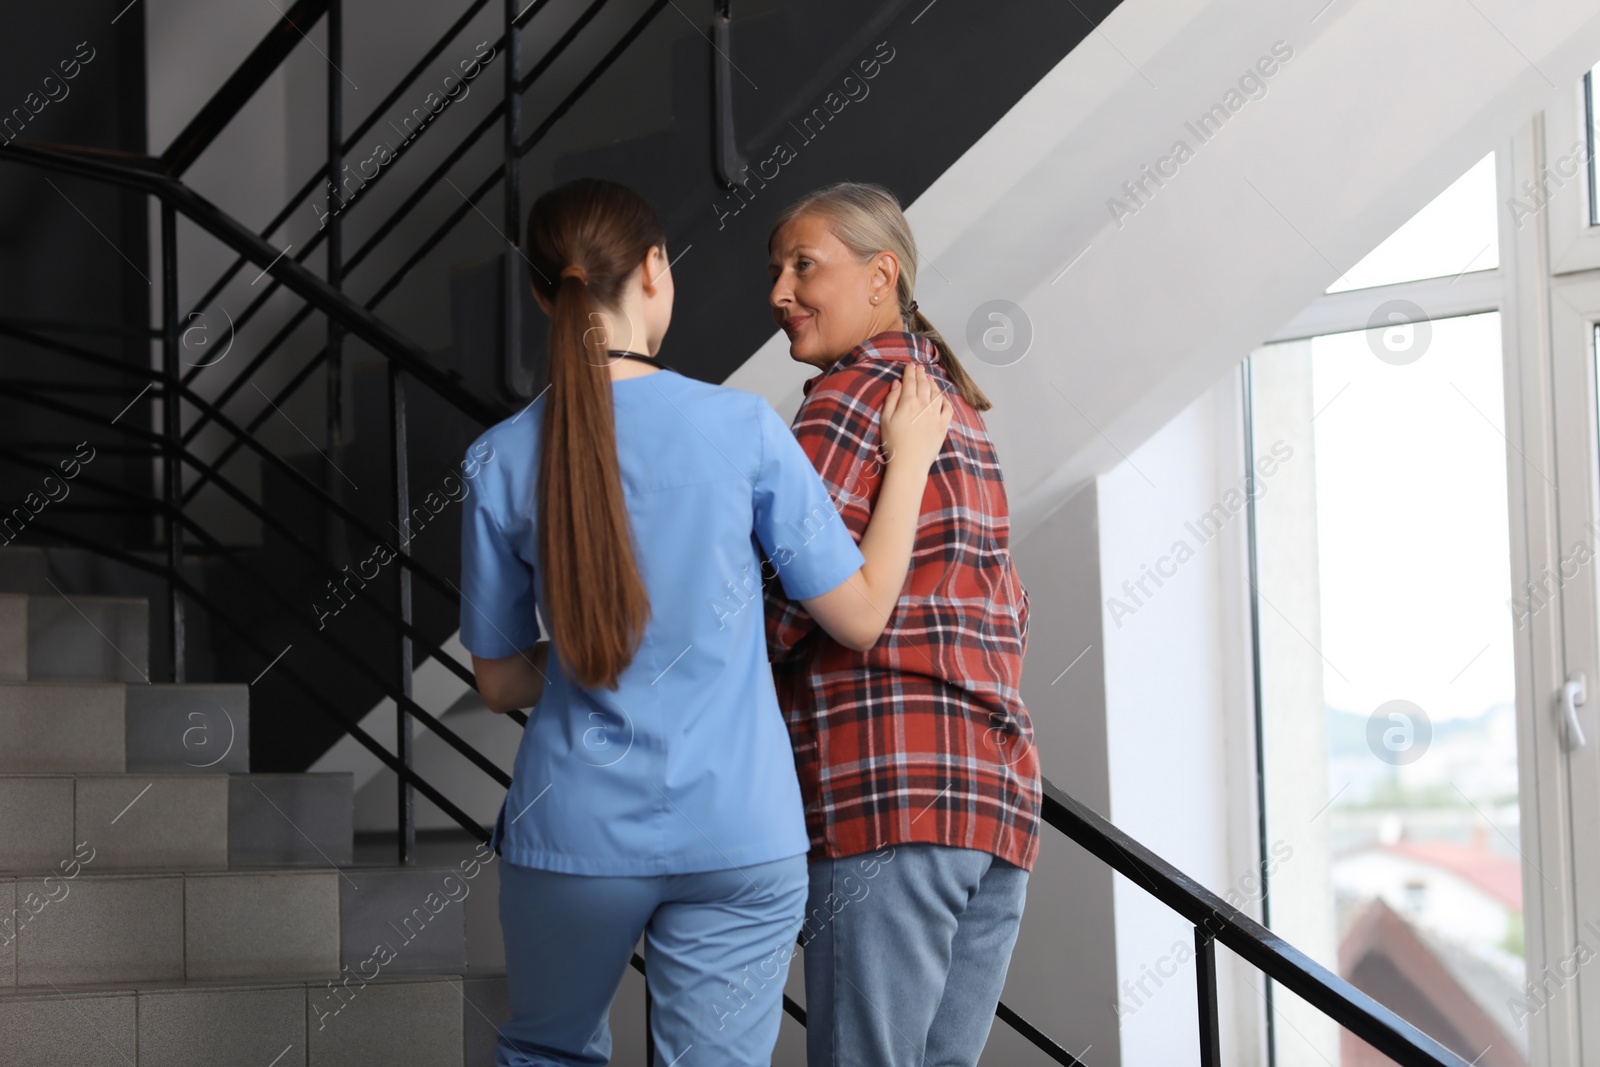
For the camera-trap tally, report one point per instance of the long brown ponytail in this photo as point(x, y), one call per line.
point(584, 240)
point(867, 219)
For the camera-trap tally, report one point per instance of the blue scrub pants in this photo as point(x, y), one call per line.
point(905, 956)
point(717, 951)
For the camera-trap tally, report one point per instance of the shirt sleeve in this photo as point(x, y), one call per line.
point(796, 523)
point(837, 429)
point(498, 615)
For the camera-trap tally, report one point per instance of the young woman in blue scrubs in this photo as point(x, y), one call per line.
point(654, 791)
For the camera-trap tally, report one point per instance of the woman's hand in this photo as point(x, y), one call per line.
point(916, 419)
point(514, 681)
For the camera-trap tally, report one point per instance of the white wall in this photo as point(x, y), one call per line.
point(1063, 972)
point(1178, 717)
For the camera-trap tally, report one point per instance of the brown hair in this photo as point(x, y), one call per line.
point(585, 238)
point(867, 219)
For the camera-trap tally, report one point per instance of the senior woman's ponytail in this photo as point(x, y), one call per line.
point(867, 219)
point(584, 239)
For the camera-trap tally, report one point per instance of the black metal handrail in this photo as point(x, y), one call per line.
point(262, 62)
point(1215, 920)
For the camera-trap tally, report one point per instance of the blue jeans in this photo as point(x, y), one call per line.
point(906, 950)
point(717, 951)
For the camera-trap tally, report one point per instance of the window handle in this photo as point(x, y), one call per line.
point(1573, 694)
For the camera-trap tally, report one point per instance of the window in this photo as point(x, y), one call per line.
point(1453, 235)
point(1409, 800)
point(1386, 658)
point(1386, 647)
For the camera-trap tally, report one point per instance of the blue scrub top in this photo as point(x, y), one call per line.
point(686, 766)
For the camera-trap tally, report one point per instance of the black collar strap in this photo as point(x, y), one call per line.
point(621, 354)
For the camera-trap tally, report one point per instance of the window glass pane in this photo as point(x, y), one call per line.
point(1387, 682)
point(1454, 234)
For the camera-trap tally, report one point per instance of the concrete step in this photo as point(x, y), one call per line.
point(406, 1021)
point(83, 926)
point(24, 569)
point(13, 637)
point(196, 726)
point(155, 822)
point(88, 638)
point(108, 727)
point(62, 726)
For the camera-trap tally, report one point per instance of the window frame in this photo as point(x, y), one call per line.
point(1571, 212)
point(1547, 294)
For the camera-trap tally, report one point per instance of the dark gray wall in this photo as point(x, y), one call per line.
point(71, 250)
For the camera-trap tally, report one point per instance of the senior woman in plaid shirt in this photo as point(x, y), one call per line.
point(915, 755)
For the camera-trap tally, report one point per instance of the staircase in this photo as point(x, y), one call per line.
point(161, 904)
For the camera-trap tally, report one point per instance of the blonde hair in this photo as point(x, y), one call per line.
point(867, 219)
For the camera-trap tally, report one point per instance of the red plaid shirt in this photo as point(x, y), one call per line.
point(923, 737)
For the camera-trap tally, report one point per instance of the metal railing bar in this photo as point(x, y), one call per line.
point(71, 387)
point(242, 379)
point(171, 427)
point(146, 507)
point(333, 267)
point(487, 122)
point(1035, 1036)
point(305, 253)
point(348, 144)
point(241, 85)
point(490, 118)
point(257, 420)
point(1205, 974)
point(400, 499)
point(69, 349)
point(594, 75)
point(118, 155)
point(93, 328)
point(511, 279)
point(470, 200)
point(361, 130)
point(56, 448)
point(1257, 945)
point(106, 361)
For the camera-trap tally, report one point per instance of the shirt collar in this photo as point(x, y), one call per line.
point(896, 346)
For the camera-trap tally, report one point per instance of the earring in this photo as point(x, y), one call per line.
point(874, 300)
